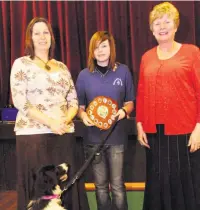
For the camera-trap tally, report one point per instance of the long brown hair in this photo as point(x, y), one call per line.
point(101, 36)
point(29, 47)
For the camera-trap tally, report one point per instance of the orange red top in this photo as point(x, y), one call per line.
point(169, 91)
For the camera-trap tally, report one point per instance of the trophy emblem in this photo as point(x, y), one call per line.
point(101, 111)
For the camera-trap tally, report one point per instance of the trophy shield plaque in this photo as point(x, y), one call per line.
point(101, 111)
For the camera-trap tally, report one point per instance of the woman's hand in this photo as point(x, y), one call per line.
point(120, 114)
point(142, 138)
point(66, 120)
point(58, 126)
point(86, 120)
point(194, 141)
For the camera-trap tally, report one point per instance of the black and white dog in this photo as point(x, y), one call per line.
point(47, 188)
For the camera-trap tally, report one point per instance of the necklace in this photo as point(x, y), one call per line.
point(45, 63)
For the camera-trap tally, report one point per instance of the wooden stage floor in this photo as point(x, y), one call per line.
point(8, 200)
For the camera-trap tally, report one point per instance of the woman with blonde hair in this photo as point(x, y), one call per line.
point(168, 116)
point(99, 80)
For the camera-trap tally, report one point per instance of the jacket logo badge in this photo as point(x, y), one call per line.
point(118, 82)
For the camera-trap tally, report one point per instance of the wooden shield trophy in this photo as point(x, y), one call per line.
point(101, 111)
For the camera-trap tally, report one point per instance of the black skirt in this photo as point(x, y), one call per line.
point(172, 173)
point(33, 151)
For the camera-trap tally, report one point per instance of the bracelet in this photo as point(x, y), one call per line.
point(124, 112)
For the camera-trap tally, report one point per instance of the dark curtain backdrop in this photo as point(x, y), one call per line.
point(74, 22)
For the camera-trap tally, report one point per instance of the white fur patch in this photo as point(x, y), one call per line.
point(64, 166)
point(54, 204)
point(57, 190)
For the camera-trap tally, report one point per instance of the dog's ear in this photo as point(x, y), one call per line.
point(42, 173)
point(46, 177)
point(45, 180)
point(50, 177)
point(47, 168)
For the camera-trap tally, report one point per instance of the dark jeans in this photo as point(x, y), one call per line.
point(107, 169)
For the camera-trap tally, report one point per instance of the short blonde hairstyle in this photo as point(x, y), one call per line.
point(101, 36)
point(164, 8)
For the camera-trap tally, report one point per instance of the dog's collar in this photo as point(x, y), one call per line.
point(50, 197)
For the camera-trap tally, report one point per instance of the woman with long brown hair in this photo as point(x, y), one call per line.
point(44, 94)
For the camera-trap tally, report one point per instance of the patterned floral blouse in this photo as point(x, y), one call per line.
point(50, 92)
